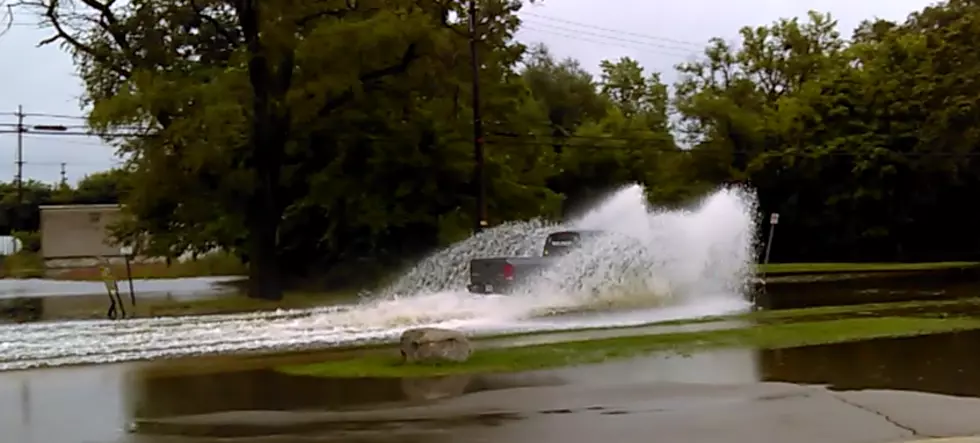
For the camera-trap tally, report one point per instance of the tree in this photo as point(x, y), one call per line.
point(105, 187)
point(259, 121)
point(6, 17)
point(566, 92)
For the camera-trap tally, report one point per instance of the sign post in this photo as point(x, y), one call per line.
point(773, 221)
point(127, 252)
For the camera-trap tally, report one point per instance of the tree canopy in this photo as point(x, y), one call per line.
point(306, 135)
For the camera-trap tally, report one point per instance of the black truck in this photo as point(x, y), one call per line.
point(499, 274)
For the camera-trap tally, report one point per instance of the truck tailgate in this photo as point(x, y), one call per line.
point(487, 270)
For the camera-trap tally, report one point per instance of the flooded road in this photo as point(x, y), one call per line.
point(104, 400)
point(179, 287)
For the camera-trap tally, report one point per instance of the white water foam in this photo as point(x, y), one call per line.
point(653, 265)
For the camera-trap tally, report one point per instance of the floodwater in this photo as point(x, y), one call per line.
point(102, 401)
point(31, 300)
point(179, 287)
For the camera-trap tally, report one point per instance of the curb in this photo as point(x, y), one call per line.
point(969, 439)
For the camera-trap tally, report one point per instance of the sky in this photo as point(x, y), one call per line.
point(657, 34)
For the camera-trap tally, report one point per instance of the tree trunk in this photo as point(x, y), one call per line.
point(264, 216)
point(264, 274)
point(269, 132)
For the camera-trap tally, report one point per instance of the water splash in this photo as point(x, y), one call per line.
point(448, 269)
point(647, 257)
point(653, 265)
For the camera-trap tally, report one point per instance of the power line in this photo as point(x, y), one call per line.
point(617, 31)
point(671, 47)
point(576, 37)
point(82, 133)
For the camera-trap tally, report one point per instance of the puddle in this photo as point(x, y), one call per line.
point(102, 401)
point(941, 364)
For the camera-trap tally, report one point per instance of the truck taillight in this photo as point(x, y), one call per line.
point(508, 271)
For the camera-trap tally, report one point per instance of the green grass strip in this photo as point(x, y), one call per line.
point(526, 358)
point(818, 268)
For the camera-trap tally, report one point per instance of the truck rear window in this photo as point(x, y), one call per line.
point(560, 243)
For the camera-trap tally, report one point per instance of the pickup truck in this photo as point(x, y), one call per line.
point(499, 274)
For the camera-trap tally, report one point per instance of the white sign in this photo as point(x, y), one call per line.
point(774, 218)
point(126, 250)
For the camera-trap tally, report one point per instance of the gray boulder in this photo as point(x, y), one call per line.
point(434, 345)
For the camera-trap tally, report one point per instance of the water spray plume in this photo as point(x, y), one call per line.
point(651, 265)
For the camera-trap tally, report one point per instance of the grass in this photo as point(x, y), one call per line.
point(31, 265)
point(823, 268)
point(786, 315)
point(527, 358)
point(22, 265)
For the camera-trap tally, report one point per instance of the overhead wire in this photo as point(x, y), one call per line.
point(693, 45)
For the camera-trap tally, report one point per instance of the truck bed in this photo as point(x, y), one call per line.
point(499, 275)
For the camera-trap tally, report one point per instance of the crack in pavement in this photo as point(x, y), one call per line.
point(908, 429)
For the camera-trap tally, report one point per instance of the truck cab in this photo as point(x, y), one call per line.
point(499, 274)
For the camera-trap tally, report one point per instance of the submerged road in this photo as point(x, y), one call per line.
point(702, 413)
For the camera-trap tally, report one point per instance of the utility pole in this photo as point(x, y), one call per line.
point(479, 179)
point(64, 174)
point(20, 154)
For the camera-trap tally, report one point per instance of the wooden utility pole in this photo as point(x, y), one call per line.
point(479, 178)
point(20, 154)
point(64, 174)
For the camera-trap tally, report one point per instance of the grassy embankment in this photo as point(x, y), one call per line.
point(771, 335)
point(848, 268)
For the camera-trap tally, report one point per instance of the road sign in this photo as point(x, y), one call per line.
point(774, 218)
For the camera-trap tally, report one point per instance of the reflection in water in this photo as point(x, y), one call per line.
point(84, 404)
point(942, 364)
point(21, 310)
point(715, 367)
point(266, 389)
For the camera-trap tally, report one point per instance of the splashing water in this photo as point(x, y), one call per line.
point(645, 258)
point(651, 265)
point(448, 269)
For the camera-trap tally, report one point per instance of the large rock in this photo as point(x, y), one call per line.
point(434, 345)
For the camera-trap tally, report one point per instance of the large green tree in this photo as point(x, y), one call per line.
point(296, 133)
point(863, 145)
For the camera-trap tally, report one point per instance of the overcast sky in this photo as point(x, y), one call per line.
point(658, 34)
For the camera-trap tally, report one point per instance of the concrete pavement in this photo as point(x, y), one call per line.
point(611, 412)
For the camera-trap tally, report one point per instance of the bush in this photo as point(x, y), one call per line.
point(30, 241)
